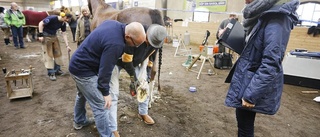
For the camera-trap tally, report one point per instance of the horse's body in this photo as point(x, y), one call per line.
point(34, 17)
point(102, 11)
point(146, 16)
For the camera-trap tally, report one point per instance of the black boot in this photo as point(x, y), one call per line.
point(7, 41)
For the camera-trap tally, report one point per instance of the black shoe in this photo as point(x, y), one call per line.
point(23, 47)
point(60, 73)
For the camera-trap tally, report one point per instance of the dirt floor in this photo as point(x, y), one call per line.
point(176, 111)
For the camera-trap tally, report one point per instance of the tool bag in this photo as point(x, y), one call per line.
point(223, 60)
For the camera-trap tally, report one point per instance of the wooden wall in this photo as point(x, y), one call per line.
point(298, 38)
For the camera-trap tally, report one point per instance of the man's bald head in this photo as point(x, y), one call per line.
point(136, 33)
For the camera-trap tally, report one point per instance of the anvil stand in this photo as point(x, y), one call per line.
point(203, 56)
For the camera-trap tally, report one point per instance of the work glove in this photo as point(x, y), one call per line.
point(133, 85)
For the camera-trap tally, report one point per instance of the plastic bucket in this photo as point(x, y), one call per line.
point(210, 50)
point(175, 43)
point(201, 48)
point(216, 49)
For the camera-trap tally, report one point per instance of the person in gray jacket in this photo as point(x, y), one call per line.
point(257, 77)
point(4, 27)
point(83, 26)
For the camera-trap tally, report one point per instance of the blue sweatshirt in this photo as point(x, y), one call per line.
point(52, 24)
point(98, 53)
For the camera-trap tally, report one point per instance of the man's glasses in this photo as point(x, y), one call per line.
point(134, 44)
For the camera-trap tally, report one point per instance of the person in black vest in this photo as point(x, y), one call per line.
point(222, 26)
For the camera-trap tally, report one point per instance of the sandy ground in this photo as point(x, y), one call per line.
point(176, 111)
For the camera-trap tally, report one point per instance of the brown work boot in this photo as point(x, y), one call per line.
point(116, 134)
point(147, 119)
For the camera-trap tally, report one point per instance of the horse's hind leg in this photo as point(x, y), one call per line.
point(151, 88)
point(32, 31)
point(26, 33)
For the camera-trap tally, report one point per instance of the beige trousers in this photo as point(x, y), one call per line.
point(51, 52)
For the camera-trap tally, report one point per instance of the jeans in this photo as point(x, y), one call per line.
point(245, 119)
point(17, 33)
point(114, 92)
point(88, 91)
point(54, 70)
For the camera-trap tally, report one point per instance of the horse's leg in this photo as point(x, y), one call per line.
point(152, 81)
point(93, 5)
point(32, 31)
point(26, 33)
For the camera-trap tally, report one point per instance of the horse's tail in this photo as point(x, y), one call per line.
point(156, 17)
point(90, 7)
point(159, 69)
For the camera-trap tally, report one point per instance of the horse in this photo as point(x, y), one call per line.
point(34, 17)
point(146, 16)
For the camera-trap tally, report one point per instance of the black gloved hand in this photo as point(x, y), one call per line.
point(132, 87)
point(134, 80)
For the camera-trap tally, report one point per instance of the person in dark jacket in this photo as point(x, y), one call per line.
point(91, 67)
point(222, 26)
point(257, 77)
point(73, 27)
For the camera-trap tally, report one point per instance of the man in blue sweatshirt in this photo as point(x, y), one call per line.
point(91, 67)
point(51, 49)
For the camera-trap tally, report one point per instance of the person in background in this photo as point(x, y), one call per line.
point(51, 49)
point(83, 26)
point(4, 27)
point(257, 76)
point(221, 28)
point(73, 26)
point(15, 19)
point(131, 61)
point(91, 67)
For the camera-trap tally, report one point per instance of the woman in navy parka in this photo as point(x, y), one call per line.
point(257, 77)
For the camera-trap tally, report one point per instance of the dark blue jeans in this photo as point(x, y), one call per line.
point(245, 119)
point(54, 70)
point(17, 34)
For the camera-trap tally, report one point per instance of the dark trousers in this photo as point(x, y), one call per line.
point(17, 34)
point(245, 119)
point(222, 48)
point(73, 31)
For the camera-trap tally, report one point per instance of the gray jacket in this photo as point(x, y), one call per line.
point(3, 24)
